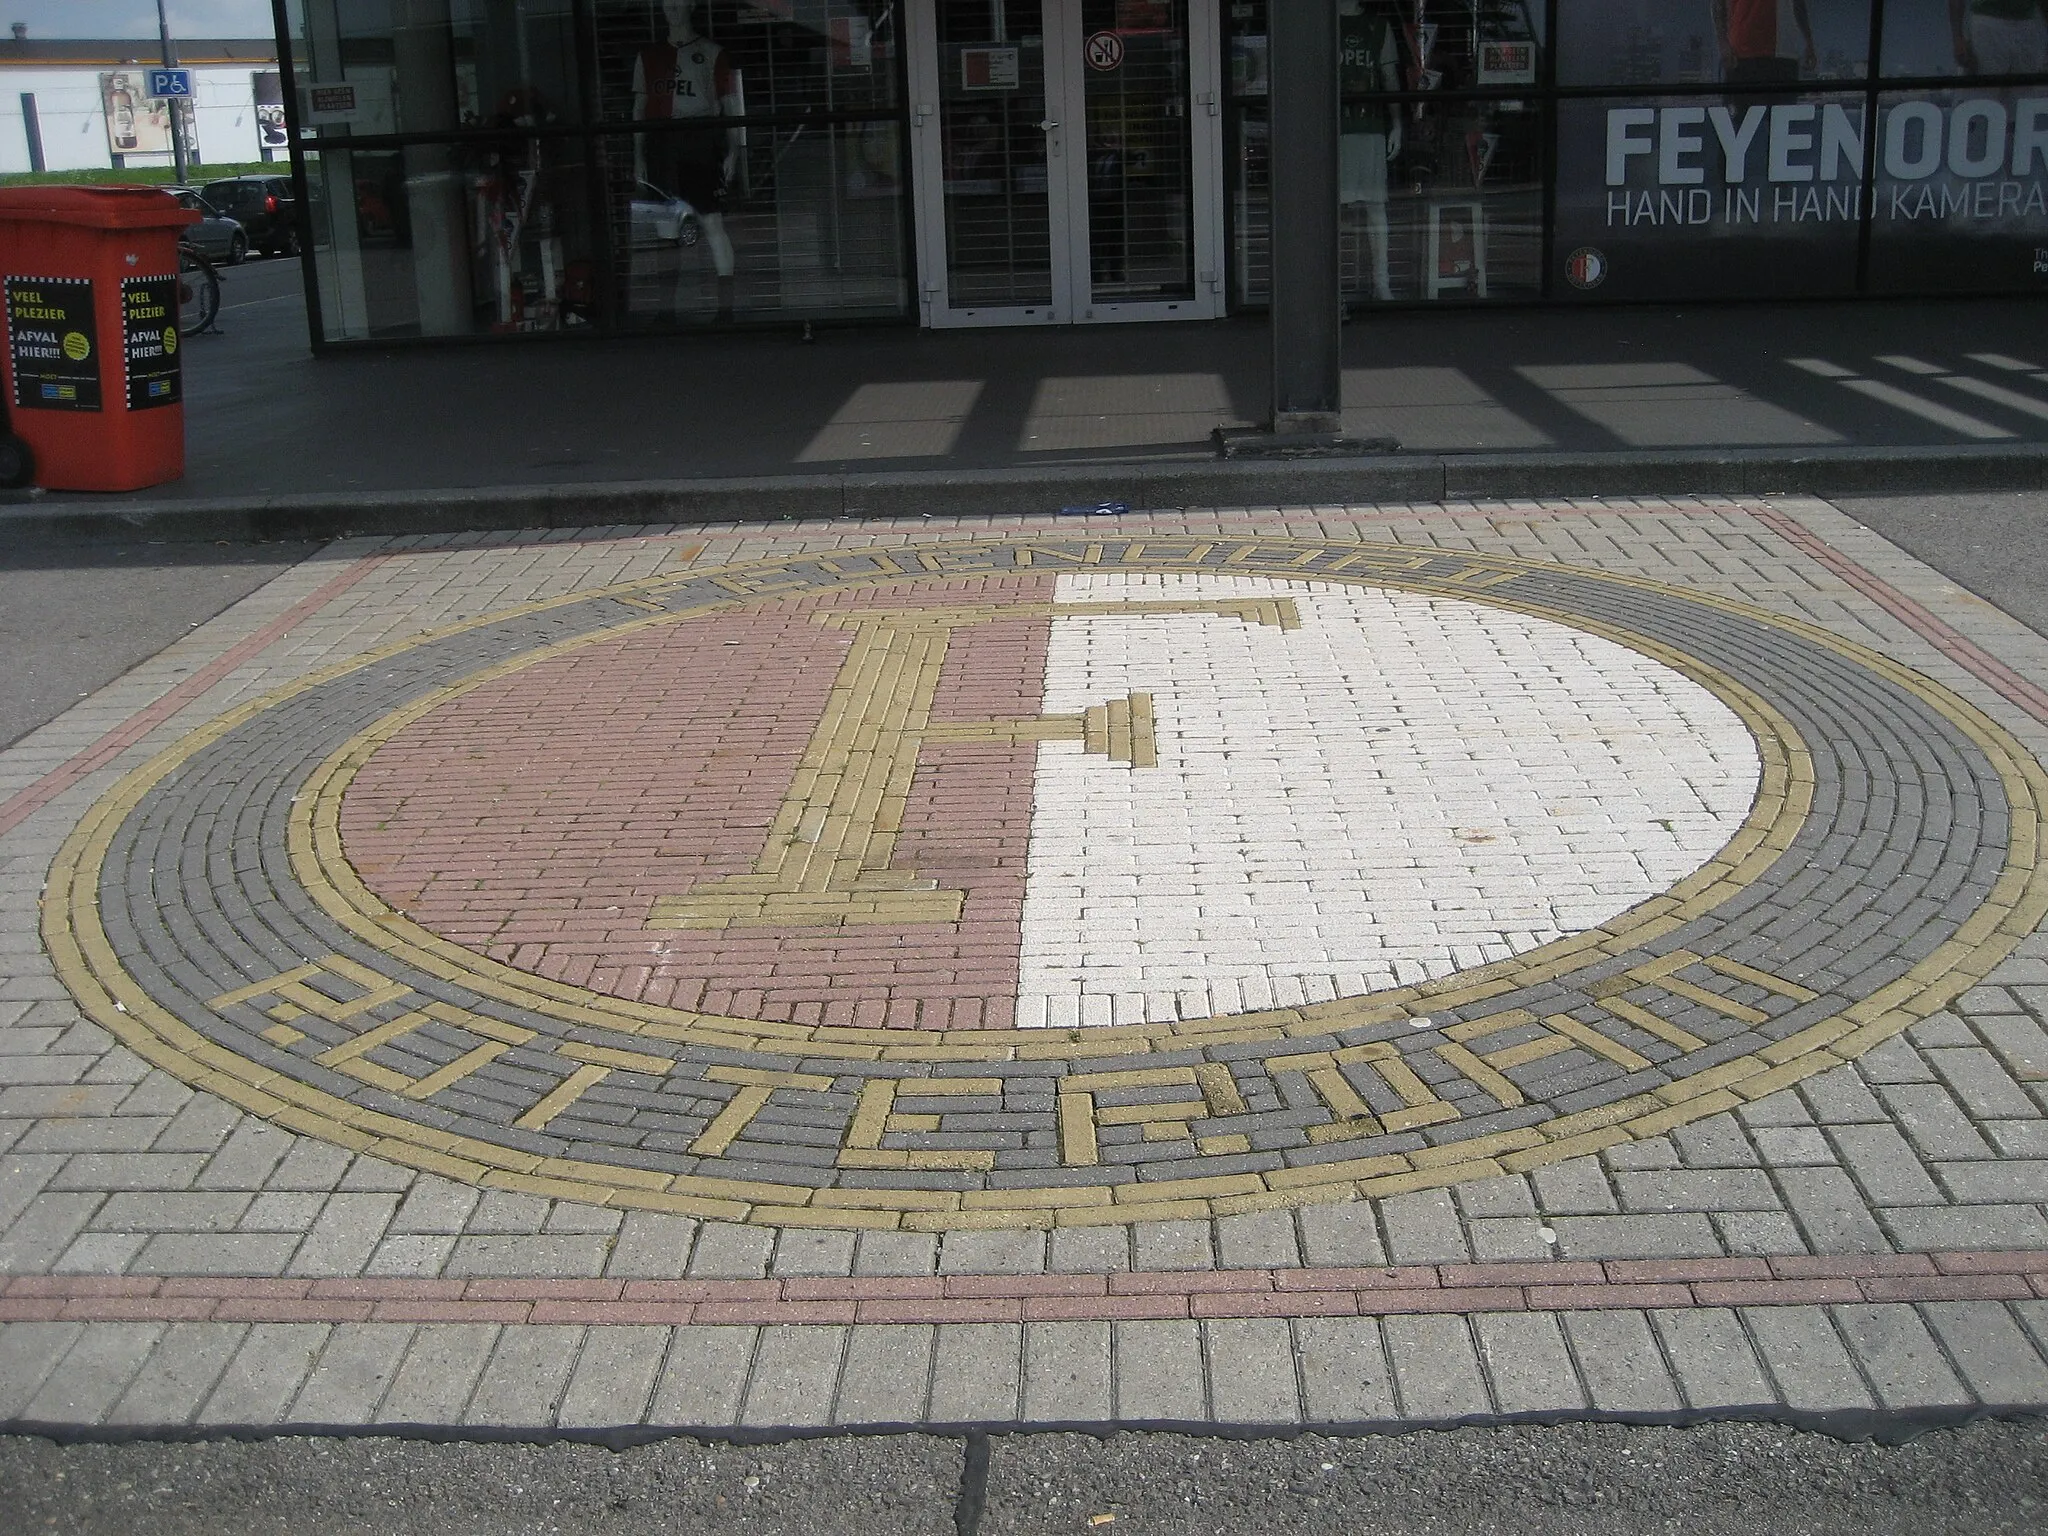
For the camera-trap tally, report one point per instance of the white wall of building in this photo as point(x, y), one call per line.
point(75, 128)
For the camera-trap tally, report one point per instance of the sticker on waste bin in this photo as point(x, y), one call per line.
point(149, 341)
point(53, 344)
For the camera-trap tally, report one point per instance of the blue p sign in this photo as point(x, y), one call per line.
point(170, 82)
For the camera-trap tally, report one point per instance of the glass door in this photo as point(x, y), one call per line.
point(1067, 156)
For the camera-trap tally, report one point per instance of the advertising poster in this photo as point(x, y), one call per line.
point(53, 344)
point(1962, 191)
point(136, 125)
point(1707, 42)
point(267, 86)
point(1710, 197)
point(149, 341)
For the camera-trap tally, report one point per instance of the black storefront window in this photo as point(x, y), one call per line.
point(1724, 196)
point(1961, 201)
point(1442, 149)
point(511, 166)
point(507, 166)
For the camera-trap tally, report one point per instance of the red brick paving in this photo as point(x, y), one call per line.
point(536, 819)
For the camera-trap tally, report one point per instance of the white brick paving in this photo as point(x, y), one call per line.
point(1403, 787)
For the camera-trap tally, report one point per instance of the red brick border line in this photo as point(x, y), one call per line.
point(1555, 1286)
point(24, 803)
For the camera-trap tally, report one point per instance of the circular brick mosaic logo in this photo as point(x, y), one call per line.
point(1051, 880)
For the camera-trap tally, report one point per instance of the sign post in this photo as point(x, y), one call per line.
point(175, 83)
point(1307, 298)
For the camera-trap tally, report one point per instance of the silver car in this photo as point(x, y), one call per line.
point(660, 219)
point(218, 236)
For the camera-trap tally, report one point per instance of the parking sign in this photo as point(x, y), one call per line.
point(170, 82)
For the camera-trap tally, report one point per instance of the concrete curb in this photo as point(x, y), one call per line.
point(1042, 489)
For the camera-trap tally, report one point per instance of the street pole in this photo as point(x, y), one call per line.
point(163, 28)
point(1307, 291)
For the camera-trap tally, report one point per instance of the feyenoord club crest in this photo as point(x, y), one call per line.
point(1049, 880)
point(1586, 267)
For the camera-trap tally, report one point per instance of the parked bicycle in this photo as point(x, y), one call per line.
point(198, 290)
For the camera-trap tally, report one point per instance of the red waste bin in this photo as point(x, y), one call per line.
point(91, 366)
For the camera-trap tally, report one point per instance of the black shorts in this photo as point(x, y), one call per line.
point(689, 163)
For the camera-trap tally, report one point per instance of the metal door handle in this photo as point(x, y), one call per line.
point(1047, 126)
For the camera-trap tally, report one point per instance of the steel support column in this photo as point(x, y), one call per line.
point(1307, 295)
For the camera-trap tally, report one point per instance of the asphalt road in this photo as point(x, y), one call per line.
point(1988, 1479)
point(1991, 543)
point(76, 615)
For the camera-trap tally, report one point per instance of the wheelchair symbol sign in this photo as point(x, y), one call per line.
point(1105, 51)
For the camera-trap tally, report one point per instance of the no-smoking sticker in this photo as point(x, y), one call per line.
point(1105, 51)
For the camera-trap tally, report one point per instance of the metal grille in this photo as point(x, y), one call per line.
point(991, 104)
point(1140, 206)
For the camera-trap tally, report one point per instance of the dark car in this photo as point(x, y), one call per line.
point(220, 237)
point(264, 206)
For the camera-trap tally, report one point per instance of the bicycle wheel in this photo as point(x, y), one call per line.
point(198, 293)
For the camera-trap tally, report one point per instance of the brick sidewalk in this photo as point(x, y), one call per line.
point(1697, 1065)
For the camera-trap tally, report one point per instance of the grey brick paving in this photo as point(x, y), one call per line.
point(1833, 1215)
point(259, 1382)
point(1806, 1358)
point(1423, 1228)
point(353, 1373)
point(1935, 1140)
point(1884, 1165)
point(1067, 1374)
point(205, 1253)
point(28, 1353)
point(545, 1254)
point(1436, 1368)
point(992, 1253)
point(93, 1373)
point(1620, 1364)
point(434, 1382)
point(436, 1205)
point(900, 1253)
point(523, 1381)
point(344, 1235)
point(727, 1252)
point(1261, 1240)
point(1666, 1235)
point(179, 1374)
point(614, 1376)
point(795, 1369)
point(1528, 1363)
point(1345, 1376)
point(1715, 1366)
point(1901, 1358)
point(978, 1374)
point(651, 1246)
point(1990, 1350)
point(887, 1375)
point(705, 1379)
point(43, 1231)
point(1252, 1371)
point(1339, 1235)
point(1923, 1229)
point(1159, 1372)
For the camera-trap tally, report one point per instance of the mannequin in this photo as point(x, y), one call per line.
point(1370, 134)
point(690, 76)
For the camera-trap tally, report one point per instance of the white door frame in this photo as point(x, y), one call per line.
point(1066, 179)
